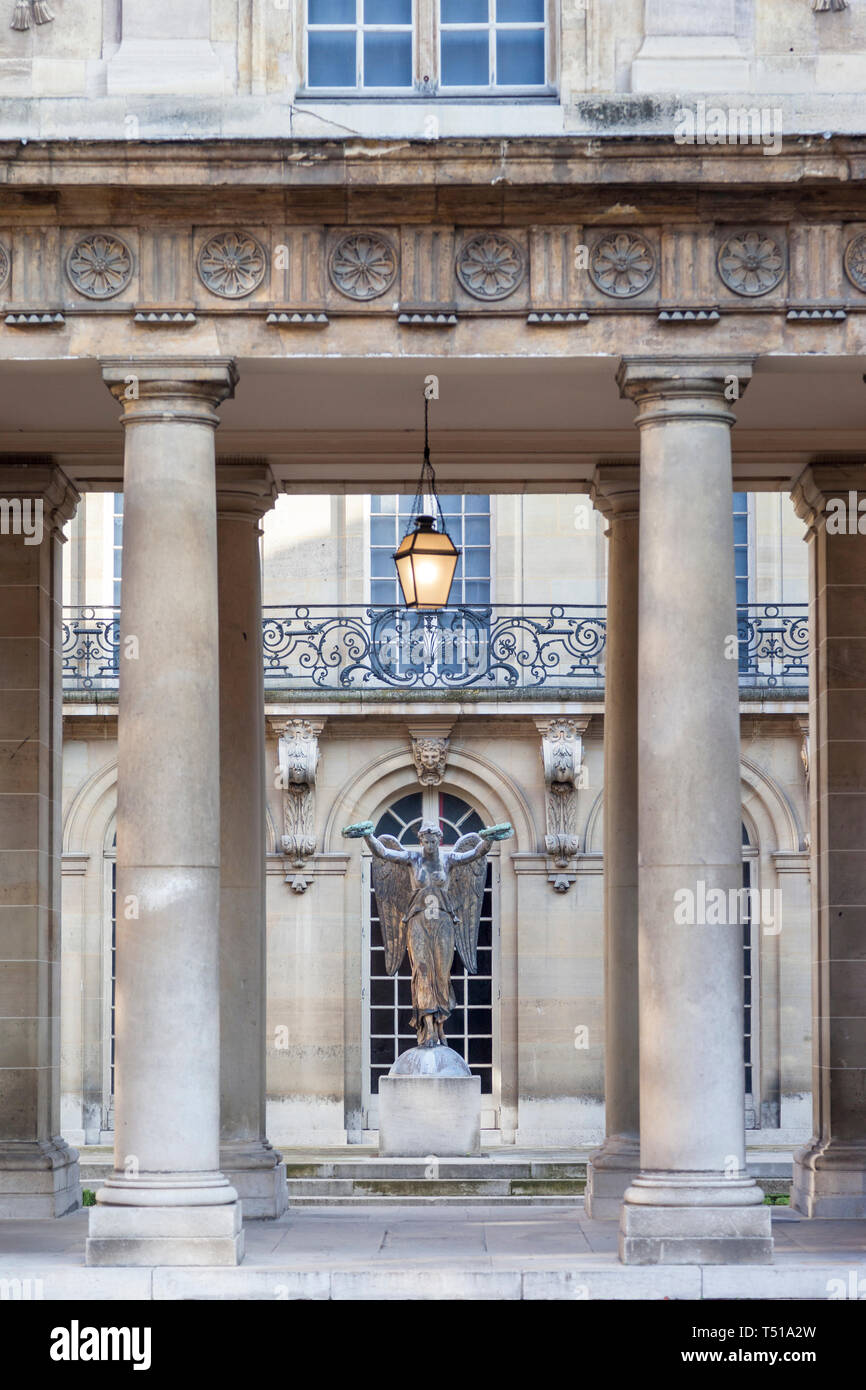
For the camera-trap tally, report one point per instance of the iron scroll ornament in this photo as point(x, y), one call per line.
point(430, 901)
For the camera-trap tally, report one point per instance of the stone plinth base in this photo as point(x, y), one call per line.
point(695, 1235)
point(421, 1115)
point(259, 1179)
point(38, 1179)
point(127, 1235)
point(830, 1182)
point(609, 1173)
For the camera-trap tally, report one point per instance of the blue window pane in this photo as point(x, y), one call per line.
point(387, 11)
point(742, 591)
point(465, 11)
point(477, 563)
point(451, 504)
point(387, 60)
point(383, 531)
point(520, 58)
point(331, 12)
point(519, 11)
point(478, 504)
point(381, 591)
point(477, 531)
point(465, 59)
point(477, 592)
point(741, 530)
point(383, 503)
point(740, 501)
point(381, 564)
point(332, 60)
point(741, 563)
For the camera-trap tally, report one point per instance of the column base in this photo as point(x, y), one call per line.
point(610, 1172)
point(694, 1219)
point(127, 1235)
point(258, 1174)
point(38, 1179)
point(830, 1181)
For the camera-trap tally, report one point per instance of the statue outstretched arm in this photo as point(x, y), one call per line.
point(364, 830)
point(484, 838)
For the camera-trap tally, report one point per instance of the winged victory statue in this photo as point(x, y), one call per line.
point(430, 902)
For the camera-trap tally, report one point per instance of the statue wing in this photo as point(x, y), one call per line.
point(466, 895)
point(392, 884)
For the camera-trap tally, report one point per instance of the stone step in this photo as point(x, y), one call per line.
point(452, 1188)
point(477, 1201)
point(416, 1169)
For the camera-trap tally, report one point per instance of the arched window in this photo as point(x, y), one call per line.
point(387, 999)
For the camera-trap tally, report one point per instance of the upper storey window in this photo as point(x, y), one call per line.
point(491, 44)
point(360, 43)
point(427, 47)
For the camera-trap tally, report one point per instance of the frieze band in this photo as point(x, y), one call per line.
point(362, 266)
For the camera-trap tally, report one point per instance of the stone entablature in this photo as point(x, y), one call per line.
point(290, 252)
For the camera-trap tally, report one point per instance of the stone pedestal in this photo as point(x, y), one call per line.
point(38, 1170)
point(430, 1103)
point(830, 1171)
point(167, 1201)
point(693, 1201)
point(257, 1173)
point(420, 1115)
point(612, 1167)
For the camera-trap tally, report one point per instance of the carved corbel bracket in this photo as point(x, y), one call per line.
point(564, 774)
point(430, 743)
point(299, 760)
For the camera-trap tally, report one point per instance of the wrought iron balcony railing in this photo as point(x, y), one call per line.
point(530, 647)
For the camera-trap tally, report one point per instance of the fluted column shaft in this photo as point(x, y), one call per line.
point(830, 1171)
point(38, 1170)
point(244, 494)
point(615, 493)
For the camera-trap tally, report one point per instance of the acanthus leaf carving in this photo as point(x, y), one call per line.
point(564, 774)
point(299, 760)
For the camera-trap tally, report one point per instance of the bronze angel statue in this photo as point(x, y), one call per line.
point(429, 902)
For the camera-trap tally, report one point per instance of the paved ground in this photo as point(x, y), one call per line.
point(450, 1252)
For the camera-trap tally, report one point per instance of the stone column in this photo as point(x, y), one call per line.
point(693, 1202)
point(615, 493)
point(167, 1201)
point(38, 1170)
point(830, 1171)
point(244, 494)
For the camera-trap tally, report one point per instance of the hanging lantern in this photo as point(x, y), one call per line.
point(426, 557)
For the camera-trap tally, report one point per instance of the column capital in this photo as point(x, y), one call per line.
point(615, 491)
point(171, 388)
point(41, 480)
point(820, 482)
point(684, 387)
point(246, 489)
